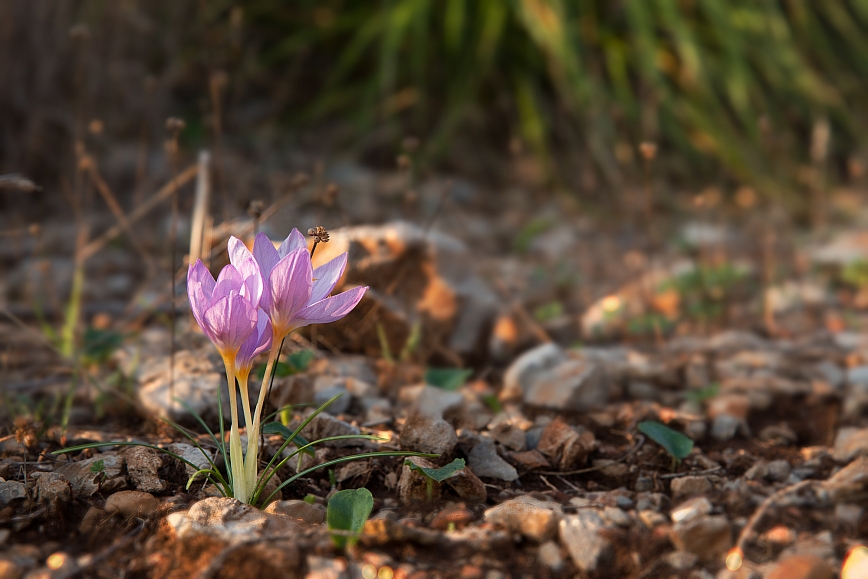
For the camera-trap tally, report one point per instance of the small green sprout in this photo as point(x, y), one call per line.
point(676, 444)
point(436, 474)
point(346, 515)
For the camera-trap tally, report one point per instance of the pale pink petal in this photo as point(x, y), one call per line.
point(200, 287)
point(229, 322)
point(241, 258)
point(326, 276)
point(265, 255)
point(258, 341)
point(288, 288)
point(329, 309)
point(229, 280)
point(293, 242)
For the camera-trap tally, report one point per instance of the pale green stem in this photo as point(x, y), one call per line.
point(266, 378)
point(253, 427)
point(236, 455)
point(251, 457)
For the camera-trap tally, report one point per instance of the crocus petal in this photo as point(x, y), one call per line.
point(258, 341)
point(229, 280)
point(293, 242)
point(265, 254)
point(241, 258)
point(200, 287)
point(288, 288)
point(326, 276)
point(229, 322)
point(329, 309)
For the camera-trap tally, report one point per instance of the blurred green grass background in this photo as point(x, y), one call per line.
point(751, 91)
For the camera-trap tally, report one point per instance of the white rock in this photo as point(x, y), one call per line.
point(689, 510)
point(197, 382)
point(550, 555)
point(230, 520)
point(529, 517)
point(550, 377)
point(582, 537)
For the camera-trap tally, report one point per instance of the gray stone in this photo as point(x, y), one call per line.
point(324, 394)
point(197, 380)
point(11, 490)
point(131, 504)
point(617, 517)
point(510, 436)
point(724, 427)
point(434, 402)
point(527, 516)
point(310, 514)
point(143, 465)
point(690, 485)
point(850, 442)
point(423, 433)
point(550, 377)
point(194, 455)
point(485, 462)
point(581, 535)
point(708, 536)
point(779, 470)
point(52, 486)
point(325, 425)
point(86, 482)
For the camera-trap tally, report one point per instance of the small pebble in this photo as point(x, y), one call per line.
point(132, 503)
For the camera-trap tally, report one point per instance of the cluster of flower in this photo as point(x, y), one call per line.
point(255, 302)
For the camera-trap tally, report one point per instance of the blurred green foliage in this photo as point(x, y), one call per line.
point(734, 83)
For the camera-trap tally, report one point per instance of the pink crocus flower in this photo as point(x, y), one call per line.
point(294, 294)
point(258, 342)
point(222, 308)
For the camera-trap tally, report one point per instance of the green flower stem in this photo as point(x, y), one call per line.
point(236, 455)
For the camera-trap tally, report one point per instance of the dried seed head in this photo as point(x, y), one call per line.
point(175, 125)
point(648, 150)
point(403, 162)
point(319, 234)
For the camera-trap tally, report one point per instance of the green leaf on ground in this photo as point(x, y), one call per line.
point(676, 444)
point(438, 474)
point(447, 378)
point(347, 512)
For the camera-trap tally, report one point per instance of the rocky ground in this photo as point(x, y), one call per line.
point(572, 336)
